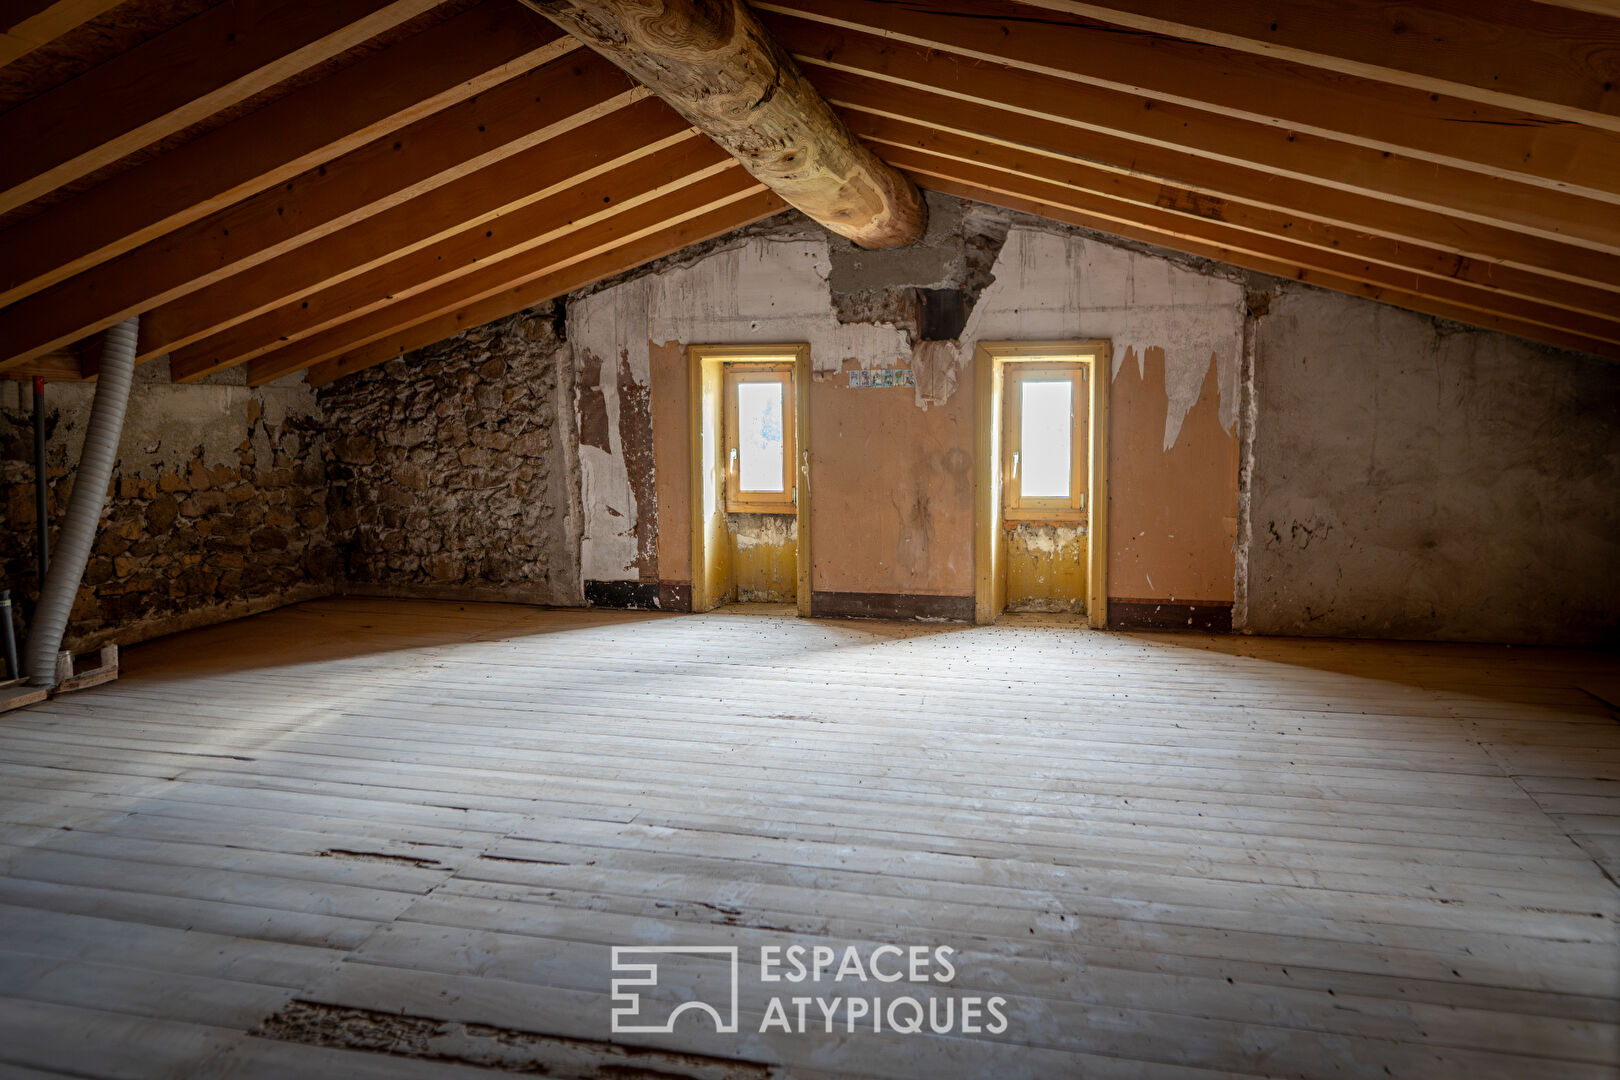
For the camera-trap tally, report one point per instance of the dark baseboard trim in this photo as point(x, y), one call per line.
point(522, 592)
point(674, 596)
point(632, 595)
point(1210, 616)
point(858, 605)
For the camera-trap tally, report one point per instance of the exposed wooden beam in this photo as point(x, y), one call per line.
point(512, 117)
point(223, 56)
point(1182, 216)
point(733, 215)
point(1307, 101)
point(487, 197)
point(26, 26)
point(576, 206)
point(1394, 235)
point(715, 65)
point(1213, 240)
point(1541, 58)
point(57, 366)
point(1610, 8)
point(469, 290)
point(372, 97)
point(1215, 141)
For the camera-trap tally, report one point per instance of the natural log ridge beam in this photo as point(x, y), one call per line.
point(714, 63)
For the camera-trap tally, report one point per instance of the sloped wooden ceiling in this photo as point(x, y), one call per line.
point(323, 186)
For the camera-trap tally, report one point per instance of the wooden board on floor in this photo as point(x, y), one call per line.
point(1175, 855)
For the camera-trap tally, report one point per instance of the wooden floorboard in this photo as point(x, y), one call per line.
point(364, 837)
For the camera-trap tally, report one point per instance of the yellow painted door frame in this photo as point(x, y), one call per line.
point(710, 558)
point(990, 359)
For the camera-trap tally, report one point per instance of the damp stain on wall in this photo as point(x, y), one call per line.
point(765, 557)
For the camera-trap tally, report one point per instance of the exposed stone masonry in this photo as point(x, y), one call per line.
point(449, 472)
point(216, 509)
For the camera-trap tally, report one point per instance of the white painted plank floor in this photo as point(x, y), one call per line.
point(396, 838)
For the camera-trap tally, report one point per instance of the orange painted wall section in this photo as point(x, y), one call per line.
point(1172, 526)
point(891, 486)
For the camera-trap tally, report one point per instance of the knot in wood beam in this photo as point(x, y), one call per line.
point(715, 64)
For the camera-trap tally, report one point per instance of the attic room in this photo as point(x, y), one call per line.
point(814, 538)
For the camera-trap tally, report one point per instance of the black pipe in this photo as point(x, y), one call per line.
point(9, 633)
point(42, 543)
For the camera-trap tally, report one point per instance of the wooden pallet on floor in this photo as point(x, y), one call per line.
point(16, 693)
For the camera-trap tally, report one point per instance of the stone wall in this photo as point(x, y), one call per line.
point(217, 508)
point(452, 470)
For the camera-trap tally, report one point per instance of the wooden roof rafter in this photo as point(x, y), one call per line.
point(660, 163)
point(31, 23)
point(454, 176)
point(1549, 59)
point(223, 56)
point(368, 180)
point(381, 93)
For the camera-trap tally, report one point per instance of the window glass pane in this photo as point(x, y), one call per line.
point(759, 436)
point(1045, 440)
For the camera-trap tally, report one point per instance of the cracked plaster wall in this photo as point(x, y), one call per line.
point(899, 459)
point(1417, 479)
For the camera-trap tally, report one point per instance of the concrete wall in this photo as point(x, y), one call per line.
point(1414, 479)
point(217, 507)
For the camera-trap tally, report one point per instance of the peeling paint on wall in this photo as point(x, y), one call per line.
point(1046, 568)
point(768, 290)
point(765, 557)
point(593, 416)
point(935, 366)
point(610, 328)
point(636, 444)
point(910, 477)
point(1049, 285)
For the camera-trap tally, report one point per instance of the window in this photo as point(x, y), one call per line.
point(1043, 464)
point(759, 438)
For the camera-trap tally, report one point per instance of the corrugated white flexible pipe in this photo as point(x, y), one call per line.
point(78, 534)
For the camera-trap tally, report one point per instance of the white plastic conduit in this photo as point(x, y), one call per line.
point(78, 534)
